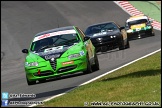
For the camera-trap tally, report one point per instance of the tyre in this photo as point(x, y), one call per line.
point(153, 34)
point(121, 45)
point(96, 65)
point(89, 68)
point(30, 82)
point(127, 46)
point(104, 48)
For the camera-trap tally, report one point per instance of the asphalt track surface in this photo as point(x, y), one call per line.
point(21, 20)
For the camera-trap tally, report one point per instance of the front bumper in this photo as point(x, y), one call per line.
point(47, 70)
point(105, 42)
point(140, 34)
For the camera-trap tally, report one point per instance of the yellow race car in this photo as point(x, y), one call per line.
point(138, 27)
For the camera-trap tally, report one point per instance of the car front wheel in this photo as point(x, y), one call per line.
point(121, 45)
point(89, 69)
point(96, 66)
point(30, 82)
point(153, 33)
point(127, 45)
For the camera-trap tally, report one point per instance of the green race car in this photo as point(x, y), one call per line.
point(59, 52)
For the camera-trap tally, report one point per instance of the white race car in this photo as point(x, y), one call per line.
point(139, 26)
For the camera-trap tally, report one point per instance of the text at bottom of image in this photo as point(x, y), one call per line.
point(121, 103)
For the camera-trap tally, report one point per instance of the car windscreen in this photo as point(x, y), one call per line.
point(54, 41)
point(100, 28)
point(140, 21)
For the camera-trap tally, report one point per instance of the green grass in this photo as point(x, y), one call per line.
point(150, 8)
point(138, 82)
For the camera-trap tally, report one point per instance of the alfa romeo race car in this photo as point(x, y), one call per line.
point(139, 26)
point(59, 52)
point(107, 35)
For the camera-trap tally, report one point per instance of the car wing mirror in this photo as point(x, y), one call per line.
point(122, 28)
point(151, 21)
point(86, 38)
point(25, 51)
point(126, 26)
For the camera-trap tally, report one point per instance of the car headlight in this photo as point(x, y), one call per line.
point(148, 27)
point(31, 64)
point(112, 36)
point(129, 31)
point(73, 56)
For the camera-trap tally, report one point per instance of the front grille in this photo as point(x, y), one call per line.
point(53, 64)
point(103, 39)
point(44, 73)
point(107, 38)
point(68, 68)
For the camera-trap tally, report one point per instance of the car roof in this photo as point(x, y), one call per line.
point(132, 18)
point(54, 30)
point(102, 23)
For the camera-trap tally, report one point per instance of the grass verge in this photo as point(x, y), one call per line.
point(139, 83)
point(150, 8)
